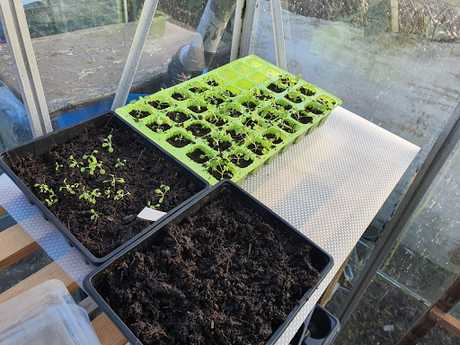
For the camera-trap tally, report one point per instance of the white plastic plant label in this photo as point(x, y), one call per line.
point(150, 214)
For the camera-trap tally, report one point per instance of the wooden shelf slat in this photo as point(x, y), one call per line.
point(2, 211)
point(445, 320)
point(15, 244)
point(107, 332)
point(52, 271)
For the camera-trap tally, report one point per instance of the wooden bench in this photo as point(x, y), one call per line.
point(16, 244)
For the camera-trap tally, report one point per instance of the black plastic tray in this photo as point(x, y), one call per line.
point(322, 327)
point(320, 259)
point(40, 146)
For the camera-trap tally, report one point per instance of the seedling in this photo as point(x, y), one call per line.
point(69, 187)
point(180, 138)
point(114, 180)
point(74, 163)
point(294, 96)
point(289, 81)
point(257, 147)
point(287, 126)
point(327, 101)
point(307, 90)
point(90, 196)
point(121, 194)
point(139, 114)
point(52, 198)
point(107, 192)
point(149, 204)
point(162, 192)
point(240, 156)
point(212, 80)
point(198, 87)
point(262, 95)
point(94, 215)
point(276, 86)
point(107, 142)
point(58, 166)
point(220, 169)
point(120, 163)
point(93, 164)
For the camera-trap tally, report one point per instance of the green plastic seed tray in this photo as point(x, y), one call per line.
point(231, 121)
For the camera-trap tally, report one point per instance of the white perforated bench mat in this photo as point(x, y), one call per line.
point(329, 186)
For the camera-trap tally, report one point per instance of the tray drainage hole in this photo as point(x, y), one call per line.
point(221, 171)
point(288, 127)
point(198, 129)
point(158, 128)
point(179, 140)
point(198, 156)
point(139, 114)
point(178, 116)
point(241, 160)
point(159, 105)
point(218, 144)
point(302, 117)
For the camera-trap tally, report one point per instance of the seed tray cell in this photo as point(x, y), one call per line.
point(239, 103)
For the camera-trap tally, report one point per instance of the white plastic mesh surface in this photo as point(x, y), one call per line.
point(42, 231)
point(329, 186)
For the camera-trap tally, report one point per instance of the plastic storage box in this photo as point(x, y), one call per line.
point(46, 314)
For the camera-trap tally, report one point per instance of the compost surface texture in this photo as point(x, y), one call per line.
point(221, 276)
point(142, 172)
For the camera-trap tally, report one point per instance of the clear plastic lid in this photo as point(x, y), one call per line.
point(46, 314)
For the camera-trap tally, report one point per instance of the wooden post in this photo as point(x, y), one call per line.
point(394, 15)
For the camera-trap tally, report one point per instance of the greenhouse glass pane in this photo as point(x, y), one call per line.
point(394, 63)
point(422, 265)
point(81, 48)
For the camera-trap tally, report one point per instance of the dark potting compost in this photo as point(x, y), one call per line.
point(97, 183)
point(217, 273)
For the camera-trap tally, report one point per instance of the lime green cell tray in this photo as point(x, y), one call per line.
point(231, 121)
